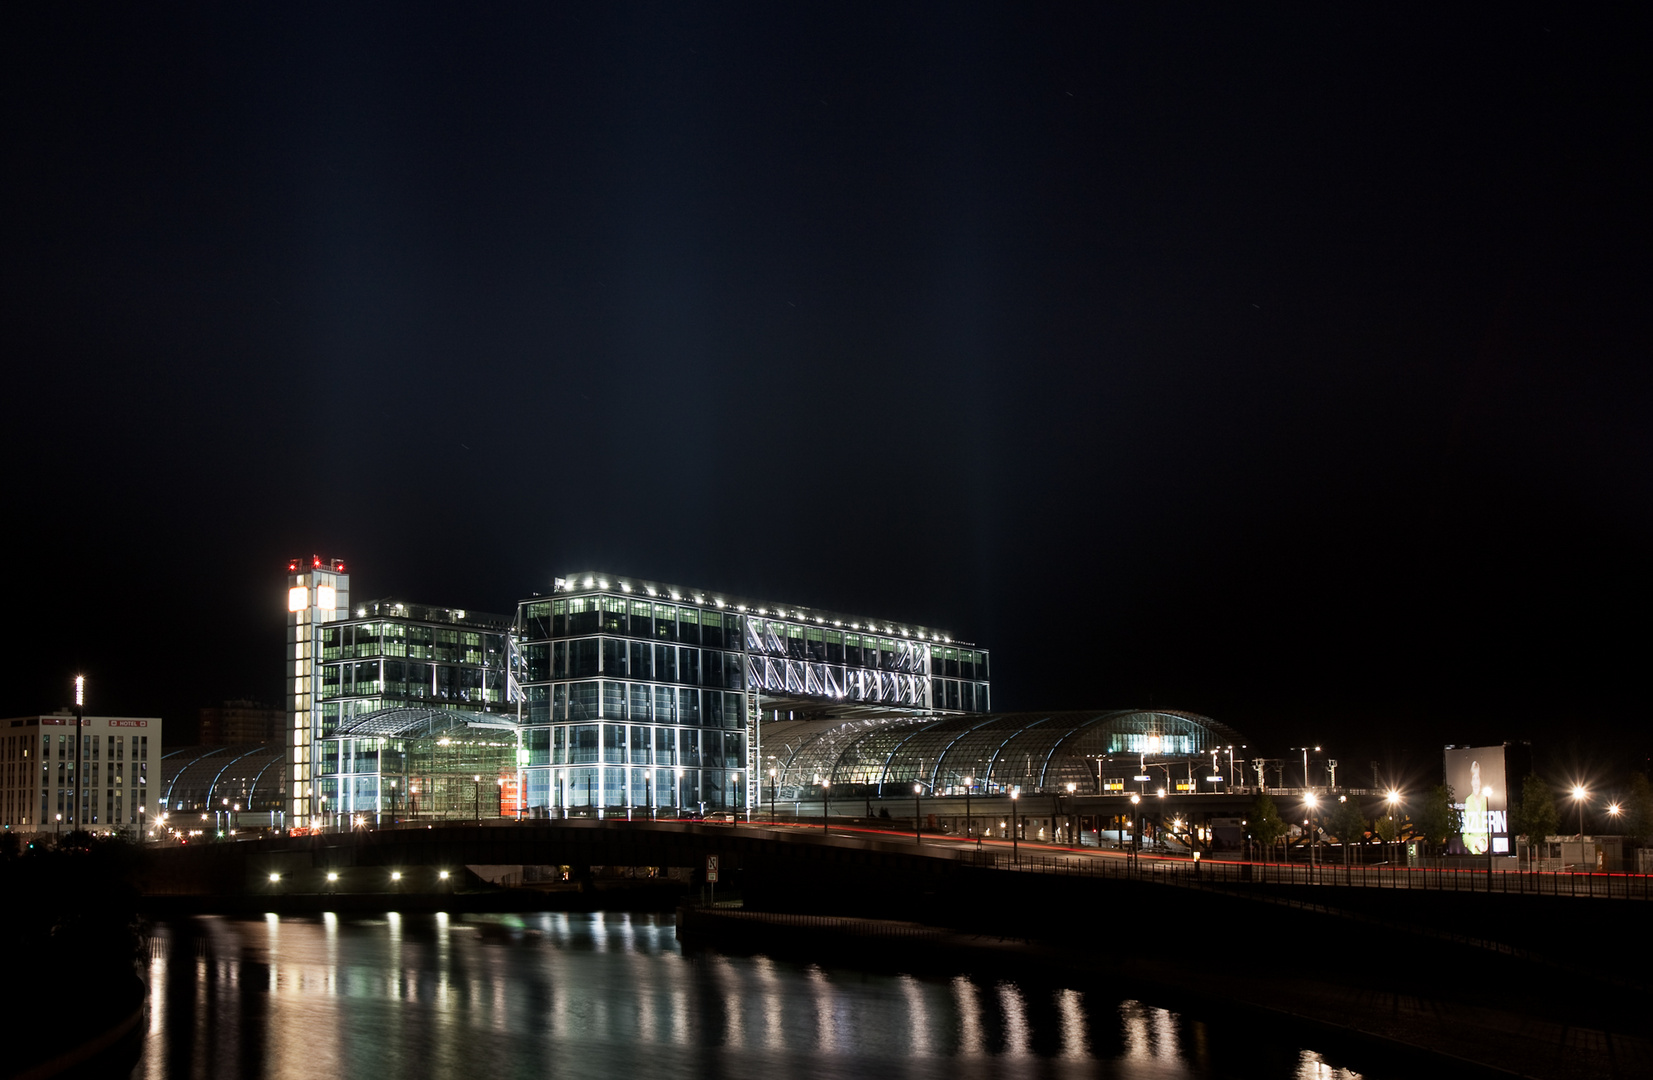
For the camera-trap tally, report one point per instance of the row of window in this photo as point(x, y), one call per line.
point(638, 702)
point(410, 640)
point(634, 618)
point(634, 744)
point(410, 679)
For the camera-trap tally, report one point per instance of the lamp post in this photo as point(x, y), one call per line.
point(1072, 787)
point(918, 811)
point(678, 796)
point(771, 796)
point(80, 711)
point(1015, 854)
point(1136, 825)
point(1310, 801)
point(1579, 795)
point(826, 803)
point(969, 781)
point(476, 797)
point(1393, 799)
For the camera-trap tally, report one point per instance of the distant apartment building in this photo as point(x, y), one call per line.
point(37, 772)
point(236, 722)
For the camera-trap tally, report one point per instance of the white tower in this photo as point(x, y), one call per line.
point(318, 591)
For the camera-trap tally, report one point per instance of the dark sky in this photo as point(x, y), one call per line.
point(1287, 367)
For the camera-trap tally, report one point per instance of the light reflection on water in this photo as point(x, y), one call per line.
point(613, 995)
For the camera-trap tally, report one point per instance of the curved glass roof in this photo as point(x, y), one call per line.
point(416, 723)
point(1034, 751)
point(203, 777)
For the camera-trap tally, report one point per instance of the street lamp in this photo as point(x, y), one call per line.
point(1136, 824)
point(476, 797)
point(1015, 855)
point(826, 801)
point(80, 711)
point(1311, 802)
point(1072, 787)
point(969, 781)
point(1393, 799)
point(918, 836)
point(771, 796)
point(1579, 795)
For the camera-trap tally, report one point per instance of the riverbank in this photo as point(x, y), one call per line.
point(1413, 1033)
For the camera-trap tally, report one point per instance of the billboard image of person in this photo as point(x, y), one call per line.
point(1476, 776)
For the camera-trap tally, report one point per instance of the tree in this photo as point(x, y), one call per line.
point(1437, 820)
point(1638, 808)
point(1348, 824)
point(1263, 823)
point(1388, 827)
point(1535, 815)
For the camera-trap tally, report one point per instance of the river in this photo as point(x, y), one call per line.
point(395, 997)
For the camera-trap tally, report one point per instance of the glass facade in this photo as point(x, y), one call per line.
point(1032, 752)
point(642, 695)
point(388, 657)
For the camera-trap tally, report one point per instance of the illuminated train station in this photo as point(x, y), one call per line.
point(622, 696)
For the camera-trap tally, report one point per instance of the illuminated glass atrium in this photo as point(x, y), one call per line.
point(639, 694)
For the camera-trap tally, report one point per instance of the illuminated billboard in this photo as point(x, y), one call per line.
point(1477, 779)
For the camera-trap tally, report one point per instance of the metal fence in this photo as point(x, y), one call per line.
point(1613, 886)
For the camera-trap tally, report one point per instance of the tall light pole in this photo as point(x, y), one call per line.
point(1136, 825)
point(968, 782)
point(1310, 801)
point(826, 801)
point(1015, 854)
point(1579, 795)
point(771, 796)
point(476, 797)
point(1072, 787)
point(1393, 799)
point(918, 812)
point(80, 710)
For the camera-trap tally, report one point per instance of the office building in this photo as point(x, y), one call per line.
point(237, 722)
point(37, 781)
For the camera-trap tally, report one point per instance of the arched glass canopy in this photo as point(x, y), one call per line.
point(204, 778)
point(994, 753)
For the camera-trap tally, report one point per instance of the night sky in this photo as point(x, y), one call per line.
point(1288, 368)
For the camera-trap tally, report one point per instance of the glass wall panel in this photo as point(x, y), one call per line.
point(582, 701)
point(665, 663)
point(583, 617)
point(536, 620)
point(688, 664)
point(835, 646)
point(539, 704)
point(537, 658)
point(665, 622)
point(711, 629)
point(733, 675)
point(559, 660)
point(582, 740)
point(642, 659)
point(614, 744)
point(665, 705)
point(665, 746)
point(559, 618)
point(688, 706)
point(815, 643)
point(559, 746)
point(537, 743)
point(711, 667)
point(614, 658)
point(583, 657)
point(613, 615)
point(640, 701)
point(688, 625)
point(614, 700)
point(642, 619)
point(642, 741)
point(794, 641)
point(559, 702)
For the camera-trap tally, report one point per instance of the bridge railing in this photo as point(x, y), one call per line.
point(1608, 886)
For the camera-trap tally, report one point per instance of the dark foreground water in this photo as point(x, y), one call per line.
point(593, 996)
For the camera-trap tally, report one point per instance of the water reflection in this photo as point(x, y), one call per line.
point(613, 995)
